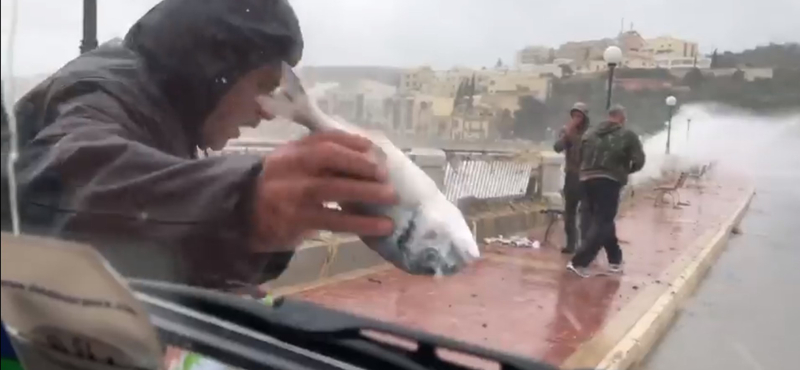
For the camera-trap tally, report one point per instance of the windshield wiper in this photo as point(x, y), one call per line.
point(293, 334)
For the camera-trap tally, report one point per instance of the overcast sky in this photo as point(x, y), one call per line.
point(441, 33)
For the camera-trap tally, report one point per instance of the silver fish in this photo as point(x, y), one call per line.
point(431, 236)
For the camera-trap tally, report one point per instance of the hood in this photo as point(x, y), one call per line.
point(195, 50)
point(607, 127)
point(581, 107)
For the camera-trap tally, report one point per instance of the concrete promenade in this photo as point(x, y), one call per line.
point(523, 301)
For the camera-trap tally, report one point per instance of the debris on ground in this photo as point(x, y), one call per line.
point(515, 241)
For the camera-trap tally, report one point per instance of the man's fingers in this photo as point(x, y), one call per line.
point(338, 221)
point(342, 190)
point(353, 142)
point(330, 158)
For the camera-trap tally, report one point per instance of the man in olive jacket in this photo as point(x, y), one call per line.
point(609, 154)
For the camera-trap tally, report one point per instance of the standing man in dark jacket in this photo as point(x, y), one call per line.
point(569, 142)
point(609, 154)
point(109, 150)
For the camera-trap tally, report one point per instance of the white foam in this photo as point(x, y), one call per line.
point(732, 137)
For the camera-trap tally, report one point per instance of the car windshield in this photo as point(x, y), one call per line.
point(554, 180)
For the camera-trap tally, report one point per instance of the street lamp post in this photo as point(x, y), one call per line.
point(89, 41)
point(612, 56)
point(688, 128)
point(671, 101)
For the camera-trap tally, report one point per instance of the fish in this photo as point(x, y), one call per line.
point(431, 235)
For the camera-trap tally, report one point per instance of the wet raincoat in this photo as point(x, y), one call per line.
point(611, 151)
point(109, 144)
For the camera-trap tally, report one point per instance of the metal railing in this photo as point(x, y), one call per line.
point(486, 177)
point(482, 175)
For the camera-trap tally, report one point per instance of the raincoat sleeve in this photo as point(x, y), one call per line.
point(635, 152)
point(94, 176)
point(563, 143)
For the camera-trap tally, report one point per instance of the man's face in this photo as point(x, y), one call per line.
point(619, 118)
point(577, 117)
point(239, 108)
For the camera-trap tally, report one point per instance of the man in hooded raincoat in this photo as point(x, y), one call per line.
point(109, 150)
point(569, 143)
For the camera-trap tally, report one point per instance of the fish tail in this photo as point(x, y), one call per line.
point(290, 82)
point(291, 101)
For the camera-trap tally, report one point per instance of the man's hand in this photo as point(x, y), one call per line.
point(298, 178)
point(571, 128)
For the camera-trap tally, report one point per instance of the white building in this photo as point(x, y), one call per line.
point(363, 102)
point(533, 55)
point(677, 62)
point(671, 47)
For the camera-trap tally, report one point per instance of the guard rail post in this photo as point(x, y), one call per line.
point(432, 161)
point(552, 177)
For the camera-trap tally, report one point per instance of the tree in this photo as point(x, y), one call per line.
point(499, 63)
point(529, 119)
point(714, 60)
point(694, 78)
point(459, 94)
point(504, 124)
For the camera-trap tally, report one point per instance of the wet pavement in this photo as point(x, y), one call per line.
point(745, 314)
point(522, 300)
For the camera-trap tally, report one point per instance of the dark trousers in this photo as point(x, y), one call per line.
point(573, 193)
point(601, 196)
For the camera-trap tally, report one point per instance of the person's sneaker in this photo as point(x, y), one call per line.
point(580, 271)
point(615, 268)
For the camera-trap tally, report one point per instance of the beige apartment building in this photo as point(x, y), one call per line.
point(640, 53)
point(487, 81)
point(416, 79)
point(425, 102)
point(361, 102)
point(534, 55)
point(474, 124)
point(519, 83)
point(672, 47)
point(581, 51)
point(446, 83)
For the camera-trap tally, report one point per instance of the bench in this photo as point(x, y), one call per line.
point(671, 190)
point(698, 172)
point(553, 214)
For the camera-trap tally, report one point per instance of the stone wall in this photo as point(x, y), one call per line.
point(339, 256)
